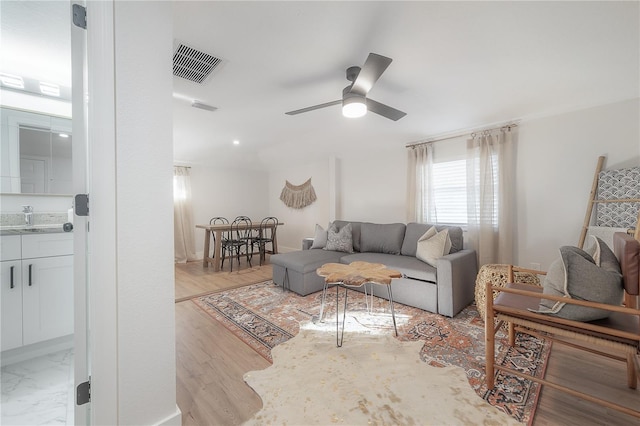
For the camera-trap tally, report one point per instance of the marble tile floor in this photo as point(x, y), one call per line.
point(38, 391)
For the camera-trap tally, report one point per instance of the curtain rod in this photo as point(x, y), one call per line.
point(186, 167)
point(470, 133)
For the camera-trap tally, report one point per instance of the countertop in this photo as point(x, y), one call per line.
point(35, 229)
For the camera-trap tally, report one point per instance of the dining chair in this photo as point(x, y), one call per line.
point(240, 235)
point(266, 235)
point(219, 220)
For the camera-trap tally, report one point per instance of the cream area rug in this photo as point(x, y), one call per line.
point(373, 379)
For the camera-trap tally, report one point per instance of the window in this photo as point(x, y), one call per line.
point(450, 193)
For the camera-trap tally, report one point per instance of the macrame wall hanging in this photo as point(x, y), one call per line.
point(298, 196)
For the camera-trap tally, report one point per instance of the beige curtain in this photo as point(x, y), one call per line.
point(183, 216)
point(419, 184)
point(490, 198)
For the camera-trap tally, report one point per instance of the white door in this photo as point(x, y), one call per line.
point(32, 176)
point(80, 151)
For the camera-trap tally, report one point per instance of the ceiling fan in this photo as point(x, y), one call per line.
point(354, 97)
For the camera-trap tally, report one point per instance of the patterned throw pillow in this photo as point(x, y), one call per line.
point(433, 245)
point(340, 240)
point(320, 238)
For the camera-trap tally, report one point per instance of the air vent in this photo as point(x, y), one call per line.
point(193, 65)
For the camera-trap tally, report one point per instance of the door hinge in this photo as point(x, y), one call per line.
point(81, 204)
point(83, 392)
point(80, 16)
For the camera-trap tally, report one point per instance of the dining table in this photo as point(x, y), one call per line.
point(216, 231)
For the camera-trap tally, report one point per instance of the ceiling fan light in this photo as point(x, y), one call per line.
point(354, 107)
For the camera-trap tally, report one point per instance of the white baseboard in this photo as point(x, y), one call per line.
point(173, 420)
point(34, 350)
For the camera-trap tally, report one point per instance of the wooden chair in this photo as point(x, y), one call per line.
point(616, 337)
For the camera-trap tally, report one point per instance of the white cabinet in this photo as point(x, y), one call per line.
point(37, 305)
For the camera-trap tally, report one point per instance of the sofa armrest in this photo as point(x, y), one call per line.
point(456, 275)
point(307, 243)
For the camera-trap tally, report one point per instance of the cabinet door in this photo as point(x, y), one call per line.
point(47, 298)
point(11, 294)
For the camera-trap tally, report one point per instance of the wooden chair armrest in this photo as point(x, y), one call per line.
point(590, 304)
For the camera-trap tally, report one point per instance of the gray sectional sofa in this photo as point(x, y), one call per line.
point(445, 289)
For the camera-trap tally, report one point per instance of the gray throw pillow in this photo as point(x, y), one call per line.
point(576, 275)
point(320, 238)
point(381, 238)
point(340, 240)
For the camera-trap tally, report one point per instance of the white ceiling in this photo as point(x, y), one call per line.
point(456, 65)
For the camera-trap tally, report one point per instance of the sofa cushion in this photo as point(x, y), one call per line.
point(305, 260)
point(381, 238)
point(320, 238)
point(355, 231)
point(433, 245)
point(340, 240)
point(576, 275)
point(416, 230)
point(408, 265)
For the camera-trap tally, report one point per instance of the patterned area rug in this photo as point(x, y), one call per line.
point(263, 316)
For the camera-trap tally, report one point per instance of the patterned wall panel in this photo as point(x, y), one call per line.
point(615, 185)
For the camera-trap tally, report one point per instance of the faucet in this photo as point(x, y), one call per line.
point(28, 215)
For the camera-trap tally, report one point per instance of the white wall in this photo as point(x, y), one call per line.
point(219, 191)
point(300, 223)
point(372, 186)
point(131, 242)
point(556, 161)
point(144, 157)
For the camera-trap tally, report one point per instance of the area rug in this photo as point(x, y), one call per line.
point(372, 379)
point(263, 316)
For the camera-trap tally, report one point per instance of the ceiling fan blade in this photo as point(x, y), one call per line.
point(311, 108)
point(385, 110)
point(371, 71)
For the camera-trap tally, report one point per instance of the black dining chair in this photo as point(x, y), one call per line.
point(219, 220)
point(240, 236)
point(266, 235)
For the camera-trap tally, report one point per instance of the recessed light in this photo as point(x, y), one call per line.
point(49, 89)
point(236, 142)
point(12, 80)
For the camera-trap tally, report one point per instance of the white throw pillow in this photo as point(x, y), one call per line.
point(320, 238)
point(433, 245)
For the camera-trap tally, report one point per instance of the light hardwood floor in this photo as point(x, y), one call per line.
point(211, 362)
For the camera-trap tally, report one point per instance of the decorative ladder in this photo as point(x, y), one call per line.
point(593, 201)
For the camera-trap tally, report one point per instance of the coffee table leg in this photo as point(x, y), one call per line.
point(324, 297)
point(344, 316)
point(393, 314)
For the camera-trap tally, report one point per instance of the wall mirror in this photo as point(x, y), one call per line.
point(36, 153)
